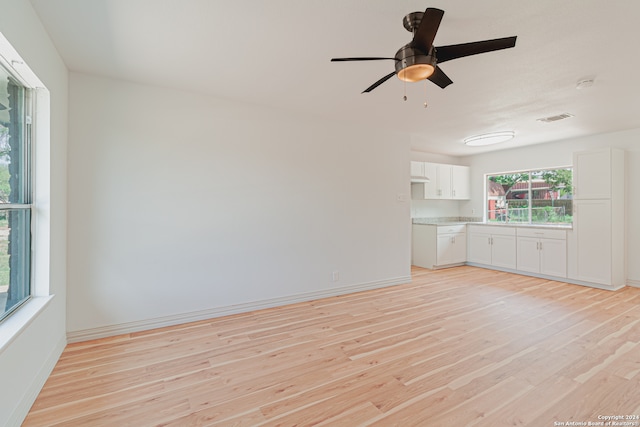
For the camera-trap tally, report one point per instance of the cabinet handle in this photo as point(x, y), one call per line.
point(540, 245)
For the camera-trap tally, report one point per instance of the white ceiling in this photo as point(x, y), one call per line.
point(277, 53)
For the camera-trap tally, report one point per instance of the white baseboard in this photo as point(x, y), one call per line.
point(21, 411)
point(160, 322)
point(554, 278)
point(634, 283)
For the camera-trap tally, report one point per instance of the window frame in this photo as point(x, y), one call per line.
point(530, 190)
point(23, 244)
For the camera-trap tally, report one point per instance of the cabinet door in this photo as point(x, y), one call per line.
point(479, 248)
point(431, 187)
point(503, 251)
point(459, 247)
point(528, 257)
point(452, 248)
point(446, 249)
point(553, 257)
point(460, 185)
point(592, 174)
point(592, 228)
point(444, 181)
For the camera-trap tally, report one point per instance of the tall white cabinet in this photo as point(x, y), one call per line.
point(597, 241)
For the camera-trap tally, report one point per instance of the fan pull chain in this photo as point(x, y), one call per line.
point(405, 90)
point(425, 93)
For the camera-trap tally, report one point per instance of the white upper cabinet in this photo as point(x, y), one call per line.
point(449, 182)
point(444, 181)
point(460, 182)
point(430, 189)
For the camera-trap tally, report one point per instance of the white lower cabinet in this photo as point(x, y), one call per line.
point(451, 248)
point(434, 246)
point(542, 251)
point(492, 245)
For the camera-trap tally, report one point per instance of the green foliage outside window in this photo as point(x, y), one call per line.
point(536, 196)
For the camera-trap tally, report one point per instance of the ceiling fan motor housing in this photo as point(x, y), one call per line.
point(410, 59)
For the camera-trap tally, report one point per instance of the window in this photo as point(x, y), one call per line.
point(541, 196)
point(15, 193)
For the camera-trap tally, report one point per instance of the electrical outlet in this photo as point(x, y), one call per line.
point(335, 276)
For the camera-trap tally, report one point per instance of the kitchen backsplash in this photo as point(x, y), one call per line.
point(435, 208)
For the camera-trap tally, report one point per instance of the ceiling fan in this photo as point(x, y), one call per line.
point(419, 59)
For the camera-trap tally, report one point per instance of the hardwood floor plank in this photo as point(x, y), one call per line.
point(313, 409)
point(358, 415)
point(458, 346)
point(527, 407)
point(602, 394)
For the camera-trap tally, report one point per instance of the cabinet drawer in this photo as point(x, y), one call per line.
point(542, 233)
point(446, 229)
point(496, 230)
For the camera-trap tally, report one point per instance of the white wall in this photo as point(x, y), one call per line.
point(28, 356)
point(183, 205)
point(560, 153)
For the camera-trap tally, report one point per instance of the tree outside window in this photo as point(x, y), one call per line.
point(530, 197)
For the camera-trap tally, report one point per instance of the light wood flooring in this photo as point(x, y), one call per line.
point(456, 347)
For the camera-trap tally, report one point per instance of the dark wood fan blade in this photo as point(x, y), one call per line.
point(454, 51)
point(364, 58)
point(379, 82)
point(440, 78)
point(423, 38)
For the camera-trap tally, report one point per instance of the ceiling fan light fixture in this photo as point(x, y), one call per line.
point(412, 65)
point(418, 60)
point(489, 138)
point(416, 72)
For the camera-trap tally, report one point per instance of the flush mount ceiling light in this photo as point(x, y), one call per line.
point(489, 138)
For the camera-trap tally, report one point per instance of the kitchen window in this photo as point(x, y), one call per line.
point(15, 192)
point(540, 196)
